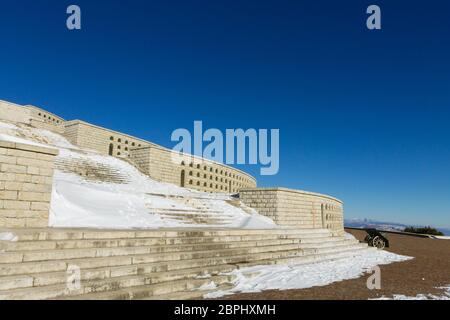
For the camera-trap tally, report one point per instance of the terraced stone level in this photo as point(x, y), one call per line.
point(150, 264)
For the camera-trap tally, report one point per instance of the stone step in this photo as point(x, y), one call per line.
point(89, 275)
point(8, 246)
point(153, 252)
point(164, 243)
point(166, 290)
point(106, 286)
point(92, 287)
point(40, 279)
point(101, 272)
point(197, 216)
point(331, 256)
point(136, 252)
point(25, 241)
point(62, 265)
point(188, 295)
point(151, 264)
point(83, 234)
point(160, 291)
point(193, 211)
point(54, 242)
point(195, 222)
point(187, 221)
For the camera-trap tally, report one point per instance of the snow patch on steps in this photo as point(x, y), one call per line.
point(292, 276)
point(8, 236)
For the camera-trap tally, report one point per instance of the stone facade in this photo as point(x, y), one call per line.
point(297, 208)
point(14, 113)
point(105, 141)
point(150, 158)
point(189, 171)
point(31, 115)
point(43, 119)
point(26, 174)
point(157, 162)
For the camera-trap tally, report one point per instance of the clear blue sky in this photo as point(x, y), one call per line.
point(363, 115)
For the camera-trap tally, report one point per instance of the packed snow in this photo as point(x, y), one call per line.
point(8, 126)
point(8, 138)
point(8, 236)
point(291, 276)
point(445, 296)
point(442, 237)
point(207, 286)
point(129, 199)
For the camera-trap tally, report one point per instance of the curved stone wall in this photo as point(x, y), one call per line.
point(288, 207)
point(189, 171)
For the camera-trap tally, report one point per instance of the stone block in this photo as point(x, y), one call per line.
point(8, 159)
point(16, 205)
point(8, 195)
point(46, 172)
point(33, 170)
point(12, 168)
point(10, 185)
point(33, 196)
point(40, 206)
point(34, 163)
point(34, 187)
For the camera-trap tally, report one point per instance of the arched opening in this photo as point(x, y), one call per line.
point(182, 178)
point(111, 149)
point(229, 185)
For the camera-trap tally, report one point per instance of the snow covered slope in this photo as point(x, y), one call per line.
point(96, 191)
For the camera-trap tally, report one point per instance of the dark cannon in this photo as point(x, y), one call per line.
point(376, 239)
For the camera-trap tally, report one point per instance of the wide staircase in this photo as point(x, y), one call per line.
point(169, 264)
point(91, 170)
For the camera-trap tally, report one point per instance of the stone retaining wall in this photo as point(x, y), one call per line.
point(297, 208)
point(26, 174)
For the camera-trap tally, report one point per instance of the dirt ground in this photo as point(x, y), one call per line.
point(429, 269)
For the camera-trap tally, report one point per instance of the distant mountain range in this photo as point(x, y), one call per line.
point(381, 225)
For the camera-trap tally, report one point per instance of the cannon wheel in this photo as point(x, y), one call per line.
point(378, 243)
